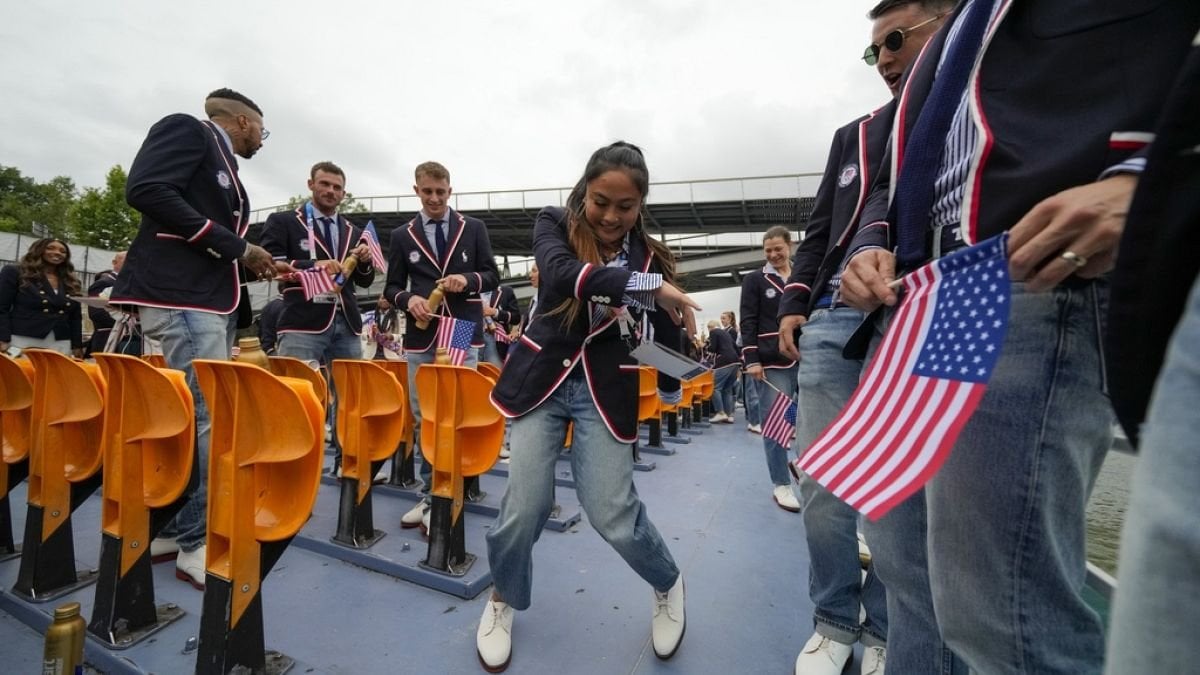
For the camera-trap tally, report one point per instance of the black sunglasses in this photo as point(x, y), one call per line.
point(894, 40)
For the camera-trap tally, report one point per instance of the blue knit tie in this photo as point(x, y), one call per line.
point(439, 240)
point(923, 151)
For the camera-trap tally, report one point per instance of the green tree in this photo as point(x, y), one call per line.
point(101, 218)
point(26, 204)
point(348, 205)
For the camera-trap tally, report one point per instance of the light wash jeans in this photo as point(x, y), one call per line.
point(335, 342)
point(750, 397)
point(415, 361)
point(187, 335)
point(783, 379)
point(603, 470)
point(490, 352)
point(825, 380)
point(724, 380)
point(1156, 614)
point(990, 556)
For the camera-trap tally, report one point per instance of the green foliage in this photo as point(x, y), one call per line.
point(101, 218)
point(349, 204)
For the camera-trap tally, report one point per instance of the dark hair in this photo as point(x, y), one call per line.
point(930, 6)
point(433, 170)
point(227, 93)
point(778, 231)
point(619, 156)
point(327, 167)
point(32, 266)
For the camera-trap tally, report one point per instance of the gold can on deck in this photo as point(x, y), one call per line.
point(64, 642)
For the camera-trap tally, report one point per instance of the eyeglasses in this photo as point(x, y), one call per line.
point(894, 40)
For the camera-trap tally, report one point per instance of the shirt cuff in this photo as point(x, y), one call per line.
point(1133, 165)
point(639, 290)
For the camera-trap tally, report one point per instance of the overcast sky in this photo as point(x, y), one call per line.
point(508, 95)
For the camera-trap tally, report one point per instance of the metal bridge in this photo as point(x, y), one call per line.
point(714, 226)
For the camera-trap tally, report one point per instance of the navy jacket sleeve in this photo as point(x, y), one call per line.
point(874, 230)
point(807, 261)
point(508, 312)
point(159, 176)
point(9, 284)
point(396, 288)
point(487, 274)
point(565, 273)
point(749, 325)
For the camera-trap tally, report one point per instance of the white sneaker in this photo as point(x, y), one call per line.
point(669, 622)
point(190, 566)
point(718, 418)
point(414, 516)
point(823, 656)
point(754, 428)
point(493, 639)
point(425, 522)
point(381, 476)
point(786, 499)
point(162, 549)
point(873, 661)
point(505, 453)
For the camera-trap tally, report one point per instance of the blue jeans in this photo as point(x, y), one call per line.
point(415, 361)
point(990, 556)
point(1155, 612)
point(603, 470)
point(724, 380)
point(335, 342)
point(825, 380)
point(187, 335)
point(750, 392)
point(783, 379)
point(490, 353)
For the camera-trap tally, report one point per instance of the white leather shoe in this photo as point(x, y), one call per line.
point(874, 660)
point(414, 515)
point(162, 549)
point(190, 565)
point(786, 499)
point(718, 418)
point(669, 622)
point(425, 522)
point(381, 476)
point(823, 656)
point(493, 639)
point(754, 428)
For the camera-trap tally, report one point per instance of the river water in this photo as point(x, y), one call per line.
point(1106, 510)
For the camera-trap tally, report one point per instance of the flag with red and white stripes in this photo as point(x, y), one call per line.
point(780, 422)
point(455, 336)
point(927, 378)
point(378, 260)
point(314, 282)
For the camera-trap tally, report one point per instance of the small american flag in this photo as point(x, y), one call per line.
point(378, 260)
point(924, 383)
point(314, 281)
point(502, 336)
point(455, 336)
point(780, 423)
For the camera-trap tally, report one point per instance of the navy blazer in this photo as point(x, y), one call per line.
point(413, 269)
point(761, 293)
point(1047, 118)
point(548, 351)
point(854, 160)
point(720, 344)
point(504, 300)
point(1159, 256)
point(36, 310)
point(102, 321)
point(285, 235)
point(195, 214)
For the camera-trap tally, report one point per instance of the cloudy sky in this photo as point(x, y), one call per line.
point(508, 95)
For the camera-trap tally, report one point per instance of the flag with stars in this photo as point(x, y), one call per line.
point(780, 423)
point(455, 336)
point(378, 260)
point(924, 383)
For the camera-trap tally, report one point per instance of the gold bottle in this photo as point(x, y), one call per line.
point(435, 301)
point(251, 351)
point(64, 642)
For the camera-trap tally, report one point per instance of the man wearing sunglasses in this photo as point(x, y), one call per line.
point(1004, 127)
point(826, 379)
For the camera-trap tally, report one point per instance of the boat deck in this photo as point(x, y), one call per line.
point(744, 560)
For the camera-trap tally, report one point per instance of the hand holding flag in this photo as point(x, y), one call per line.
point(371, 238)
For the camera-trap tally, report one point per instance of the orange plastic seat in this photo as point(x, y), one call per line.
point(68, 399)
point(266, 447)
point(156, 360)
point(704, 385)
point(489, 370)
point(650, 407)
point(459, 425)
point(371, 412)
point(149, 446)
point(399, 369)
point(16, 400)
point(286, 366)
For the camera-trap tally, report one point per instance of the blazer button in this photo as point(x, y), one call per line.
point(45, 311)
point(566, 363)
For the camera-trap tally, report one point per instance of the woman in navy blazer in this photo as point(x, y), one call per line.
point(35, 307)
point(605, 287)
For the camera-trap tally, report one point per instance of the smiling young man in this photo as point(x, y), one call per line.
point(438, 246)
point(825, 380)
